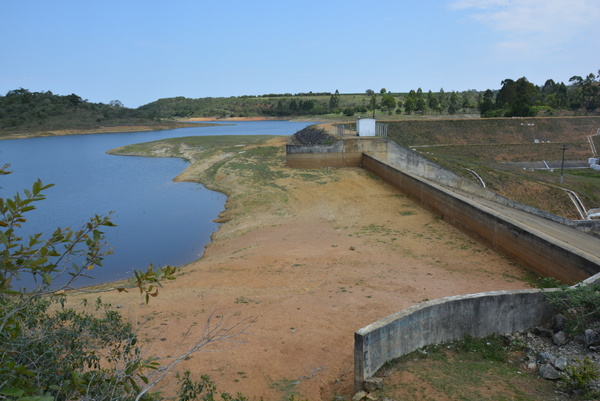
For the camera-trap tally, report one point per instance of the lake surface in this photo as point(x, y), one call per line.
point(159, 221)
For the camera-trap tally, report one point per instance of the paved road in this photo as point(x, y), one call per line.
point(552, 165)
point(548, 229)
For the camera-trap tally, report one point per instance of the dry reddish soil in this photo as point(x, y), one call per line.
point(337, 254)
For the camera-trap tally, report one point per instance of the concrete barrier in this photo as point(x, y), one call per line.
point(444, 320)
point(540, 253)
point(413, 163)
point(343, 153)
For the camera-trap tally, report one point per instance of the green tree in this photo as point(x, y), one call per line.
point(525, 93)
point(454, 103)
point(487, 103)
point(373, 104)
point(334, 100)
point(388, 102)
point(421, 105)
point(433, 102)
point(411, 102)
point(507, 95)
point(442, 99)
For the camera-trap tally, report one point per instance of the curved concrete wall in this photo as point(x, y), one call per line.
point(444, 320)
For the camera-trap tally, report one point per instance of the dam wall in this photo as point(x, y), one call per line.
point(540, 253)
point(473, 209)
point(343, 153)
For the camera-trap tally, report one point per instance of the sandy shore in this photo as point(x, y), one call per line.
point(336, 251)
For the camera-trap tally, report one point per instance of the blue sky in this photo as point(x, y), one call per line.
point(140, 51)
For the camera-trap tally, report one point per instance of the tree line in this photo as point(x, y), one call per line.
point(522, 98)
point(516, 98)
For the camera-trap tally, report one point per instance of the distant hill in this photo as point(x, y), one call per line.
point(25, 111)
point(303, 104)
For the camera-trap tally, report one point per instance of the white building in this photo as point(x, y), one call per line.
point(365, 127)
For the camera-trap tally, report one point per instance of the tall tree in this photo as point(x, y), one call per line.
point(334, 100)
point(507, 94)
point(432, 101)
point(453, 104)
point(388, 102)
point(525, 94)
point(487, 103)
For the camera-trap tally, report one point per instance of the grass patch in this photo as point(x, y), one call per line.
point(473, 369)
point(287, 387)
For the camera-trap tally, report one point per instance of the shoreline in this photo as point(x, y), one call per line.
point(99, 130)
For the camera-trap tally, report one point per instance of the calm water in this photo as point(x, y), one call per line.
point(159, 221)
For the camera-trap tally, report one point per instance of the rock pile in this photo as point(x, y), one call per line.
point(552, 352)
point(312, 136)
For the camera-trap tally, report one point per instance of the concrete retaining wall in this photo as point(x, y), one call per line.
point(343, 153)
point(539, 253)
point(444, 320)
point(447, 319)
point(411, 162)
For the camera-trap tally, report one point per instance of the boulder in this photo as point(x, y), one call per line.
point(548, 371)
point(559, 338)
point(559, 323)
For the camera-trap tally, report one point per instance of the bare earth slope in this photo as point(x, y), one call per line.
point(322, 254)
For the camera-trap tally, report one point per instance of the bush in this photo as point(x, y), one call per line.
point(580, 304)
point(580, 375)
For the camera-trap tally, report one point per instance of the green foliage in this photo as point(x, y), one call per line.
point(50, 350)
point(388, 102)
point(523, 99)
point(579, 375)
point(580, 304)
point(491, 348)
point(203, 390)
point(45, 348)
point(21, 108)
point(45, 259)
point(348, 112)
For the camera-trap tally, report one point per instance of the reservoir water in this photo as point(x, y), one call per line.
point(158, 221)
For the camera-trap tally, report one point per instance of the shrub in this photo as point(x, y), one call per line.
point(580, 304)
point(579, 375)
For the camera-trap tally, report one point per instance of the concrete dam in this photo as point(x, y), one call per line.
point(549, 245)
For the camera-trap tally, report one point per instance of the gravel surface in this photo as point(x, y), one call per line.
point(550, 351)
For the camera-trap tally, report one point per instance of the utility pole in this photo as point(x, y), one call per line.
point(562, 165)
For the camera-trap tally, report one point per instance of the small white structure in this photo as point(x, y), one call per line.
point(365, 127)
point(594, 163)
